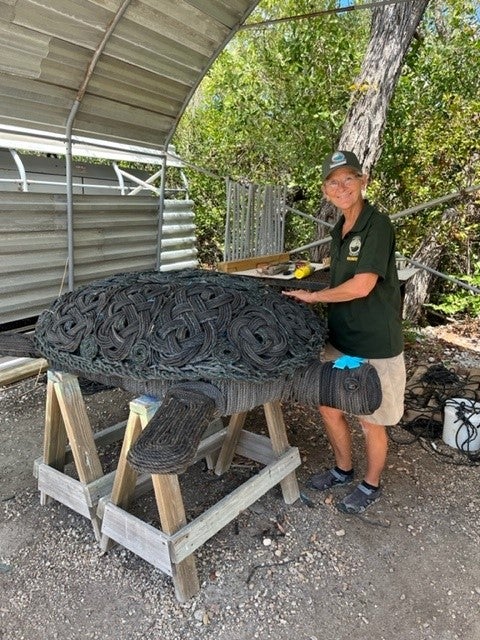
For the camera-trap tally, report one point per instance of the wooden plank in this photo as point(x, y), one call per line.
point(193, 535)
point(145, 407)
point(140, 537)
point(209, 445)
point(102, 438)
point(144, 482)
point(215, 426)
point(126, 476)
point(111, 434)
point(227, 451)
point(143, 486)
point(64, 489)
point(172, 518)
point(278, 436)
point(99, 488)
point(276, 426)
point(78, 426)
point(167, 494)
point(69, 491)
point(19, 371)
point(255, 447)
point(169, 501)
point(55, 436)
point(251, 263)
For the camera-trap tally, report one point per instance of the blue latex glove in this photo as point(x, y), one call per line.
point(348, 362)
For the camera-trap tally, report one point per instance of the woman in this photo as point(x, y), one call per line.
point(364, 320)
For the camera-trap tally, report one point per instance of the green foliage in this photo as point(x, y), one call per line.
point(410, 334)
point(457, 300)
point(274, 103)
point(272, 106)
point(431, 144)
point(432, 132)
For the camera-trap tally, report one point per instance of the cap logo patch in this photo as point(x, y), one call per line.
point(337, 159)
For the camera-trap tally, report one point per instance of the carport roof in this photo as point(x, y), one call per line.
point(115, 70)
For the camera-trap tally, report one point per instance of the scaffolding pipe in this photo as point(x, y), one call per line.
point(433, 203)
point(69, 190)
point(121, 181)
point(401, 214)
point(308, 216)
point(460, 283)
point(21, 169)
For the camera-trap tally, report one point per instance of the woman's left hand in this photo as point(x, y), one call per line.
point(301, 295)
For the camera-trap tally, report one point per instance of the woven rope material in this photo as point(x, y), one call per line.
point(17, 344)
point(356, 391)
point(169, 441)
point(208, 343)
point(189, 324)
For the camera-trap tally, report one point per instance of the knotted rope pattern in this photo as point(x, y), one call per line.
point(189, 325)
point(208, 343)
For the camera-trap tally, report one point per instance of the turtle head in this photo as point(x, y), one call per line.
point(353, 389)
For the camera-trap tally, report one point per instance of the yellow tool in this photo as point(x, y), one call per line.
point(303, 270)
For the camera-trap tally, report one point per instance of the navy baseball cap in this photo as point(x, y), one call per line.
point(339, 159)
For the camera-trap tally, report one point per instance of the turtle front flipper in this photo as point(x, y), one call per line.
point(170, 440)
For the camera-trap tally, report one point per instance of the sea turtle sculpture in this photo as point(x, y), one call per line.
point(208, 343)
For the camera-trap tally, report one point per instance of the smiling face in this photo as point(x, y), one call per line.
point(343, 188)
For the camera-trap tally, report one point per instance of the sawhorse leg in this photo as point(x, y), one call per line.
point(280, 444)
point(67, 420)
point(172, 518)
point(278, 439)
point(168, 497)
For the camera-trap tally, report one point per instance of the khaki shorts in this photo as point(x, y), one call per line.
point(393, 379)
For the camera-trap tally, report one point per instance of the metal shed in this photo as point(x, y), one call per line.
point(116, 74)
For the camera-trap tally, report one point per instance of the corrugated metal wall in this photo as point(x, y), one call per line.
point(111, 234)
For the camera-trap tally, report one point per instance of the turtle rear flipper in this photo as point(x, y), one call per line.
point(170, 440)
point(18, 345)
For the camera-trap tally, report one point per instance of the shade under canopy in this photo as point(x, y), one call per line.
point(117, 70)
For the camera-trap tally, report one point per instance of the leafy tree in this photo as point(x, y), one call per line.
point(392, 30)
point(272, 104)
point(431, 147)
point(275, 100)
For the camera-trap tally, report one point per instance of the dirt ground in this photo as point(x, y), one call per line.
point(408, 569)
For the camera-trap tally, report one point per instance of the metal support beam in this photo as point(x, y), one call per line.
point(161, 209)
point(68, 132)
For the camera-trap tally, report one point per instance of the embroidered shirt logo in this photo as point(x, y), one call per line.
point(354, 248)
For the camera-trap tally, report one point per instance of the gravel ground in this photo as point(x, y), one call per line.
point(408, 569)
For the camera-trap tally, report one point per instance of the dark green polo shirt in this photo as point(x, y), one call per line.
point(369, 327)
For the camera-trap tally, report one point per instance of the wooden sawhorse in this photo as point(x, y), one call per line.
point(67, 423)
point(69, 437)
point(171, 549)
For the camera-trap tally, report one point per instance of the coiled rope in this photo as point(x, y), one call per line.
point(437, 388)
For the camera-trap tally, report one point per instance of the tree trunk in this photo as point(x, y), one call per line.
point(429, 253)
point(392, 30)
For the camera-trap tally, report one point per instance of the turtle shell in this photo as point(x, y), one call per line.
point(192, 324)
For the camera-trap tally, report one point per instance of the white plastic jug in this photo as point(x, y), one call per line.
point(461, 424)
